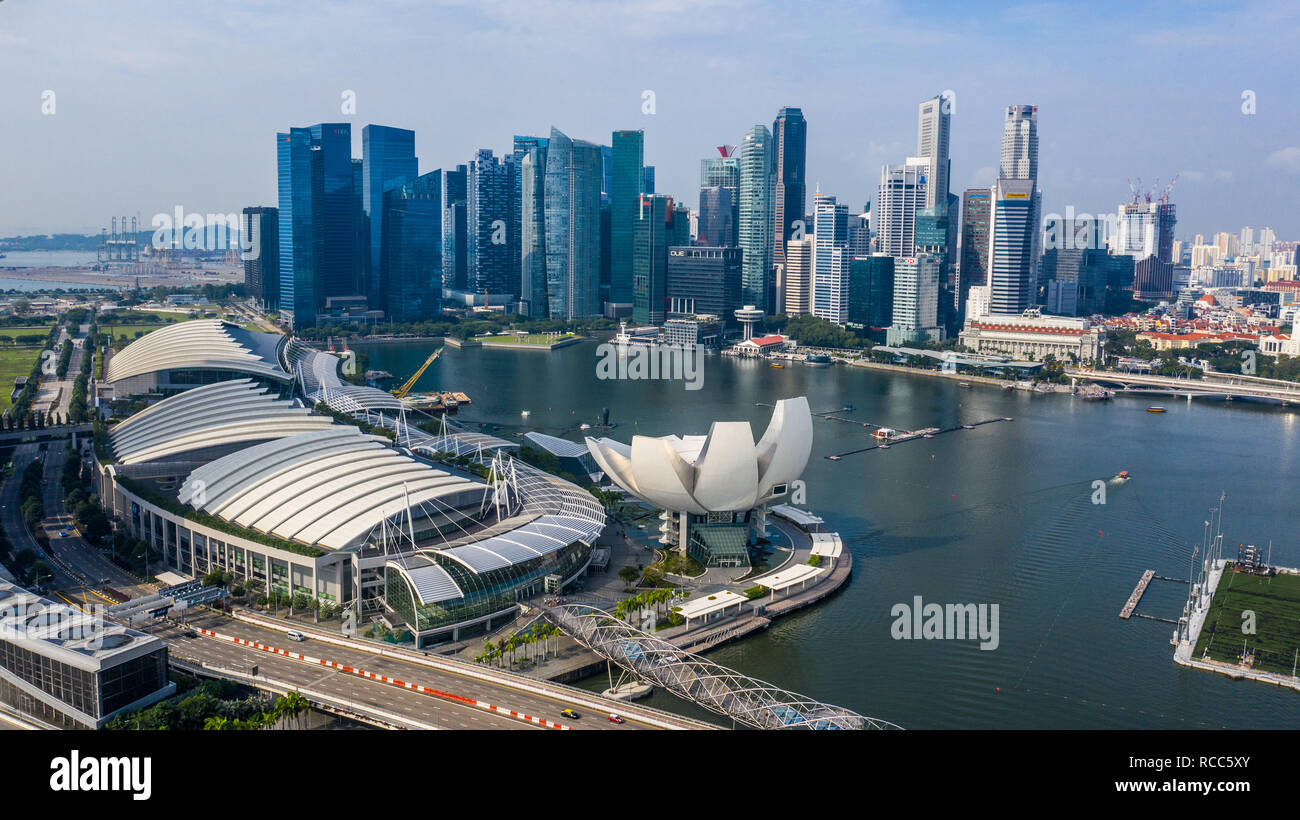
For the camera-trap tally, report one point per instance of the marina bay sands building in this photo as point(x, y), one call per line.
point(714, 490)
point(236, 471)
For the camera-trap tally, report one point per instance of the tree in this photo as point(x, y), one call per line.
point(628, 574)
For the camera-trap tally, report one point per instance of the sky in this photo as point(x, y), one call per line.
point(137, 107)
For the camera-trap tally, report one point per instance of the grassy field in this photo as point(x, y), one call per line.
point(1276, 604)
point(14, 362)
point(530, 339)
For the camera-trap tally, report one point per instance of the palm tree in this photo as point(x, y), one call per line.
point(216, 724)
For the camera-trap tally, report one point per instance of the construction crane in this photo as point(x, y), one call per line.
point(410, 383)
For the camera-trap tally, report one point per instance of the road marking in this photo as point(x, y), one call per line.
point(426, 690)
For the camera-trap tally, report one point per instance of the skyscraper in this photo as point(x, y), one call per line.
point(572, 220)
point(318, 230)
point(755, 229)
point(455, 257)
point(797, 277)
point(789, 191)
point(1020, 143)
point(703, 280)
point(916, 301)
point(932, 127)
point(334, 220)
point(973, 265)
point(492, 267)
point(531, 152)
point(259, 229)
point(716, 213)
point(625, 194)
point(1020, 162)
point(387, 160)
point(720, 172)
point(411, 257)
point(1074, 265)
point(830, 287)
point(1011, 226)
point(654, 234)
point(901, 194)
point(871, 294)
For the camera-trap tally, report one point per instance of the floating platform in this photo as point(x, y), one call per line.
point(1132, 603)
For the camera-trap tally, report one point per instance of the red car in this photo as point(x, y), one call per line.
point(616, 719)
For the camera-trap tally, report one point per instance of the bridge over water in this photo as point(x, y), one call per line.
point(1227, 386)
point(747, 701)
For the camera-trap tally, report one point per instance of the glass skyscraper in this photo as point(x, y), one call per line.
point(298, 247)
point(657, 229)
point(491, 266)
point(259, 231)
point(455, 256)
point(531, 154)
point(871, 294)
point(411, 257)
point(755, 229)
point(1011, 268)
point(334, 219)
point(830, 288)
point(720, 172)
point(387, 160)
point(790, 188)
point(572, 186)
point(627, 186)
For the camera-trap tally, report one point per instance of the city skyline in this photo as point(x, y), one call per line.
point(1235, 168)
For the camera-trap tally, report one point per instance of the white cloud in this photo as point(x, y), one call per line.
point(1288, 159)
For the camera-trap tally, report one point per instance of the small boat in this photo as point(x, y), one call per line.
point(885, 433)
point(1123, 475)
point(584, 426)
point(963, 384)
point(969, 426)
point(884, 446)
point(833, 458)
point(1155, 408)
point(776, 364)
point(525, 414)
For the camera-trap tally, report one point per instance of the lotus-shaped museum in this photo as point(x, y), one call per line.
point(724, 471)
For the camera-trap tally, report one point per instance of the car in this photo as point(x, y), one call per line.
point(616, 719)
point(569, 713)
point(295, 635)
point(63, 534)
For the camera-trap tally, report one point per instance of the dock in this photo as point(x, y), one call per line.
point(929, 432)
point(1131, 604)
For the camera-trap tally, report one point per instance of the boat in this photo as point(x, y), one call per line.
point(963, 384)
point(818, 360)
point(885, 433)
point(1155, 408)
point(833, 458)
point(423, 401)
point(524, 413)
point(884, 446)
point(1123, 475)
point(969, 426)
point(776, 364)
point(584, 426)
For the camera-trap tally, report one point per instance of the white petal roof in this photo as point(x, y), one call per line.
point(212, 415)
point(721, 472)
point(328, 488)
point(201, 344)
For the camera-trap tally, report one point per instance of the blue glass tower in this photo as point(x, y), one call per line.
point(572, 212)
point(411, 257)
point(297, 241)
point(387, 161)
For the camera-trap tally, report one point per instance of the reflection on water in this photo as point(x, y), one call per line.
point(999, 514)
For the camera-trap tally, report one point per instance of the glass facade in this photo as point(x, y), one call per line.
point(455, 262)
point(789, 193)
point(531, 154)
point(260, 229)
point(572, 219)
point(754, 231)
point(871, 294)
point(387, 161)
point(297, 244)
point(411, 259)
point(492, 267)
point(485, 593)
point(650, 259)
point(94, 693)
point(628, 150)
point(721, 218)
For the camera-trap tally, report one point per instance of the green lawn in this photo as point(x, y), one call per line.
point(529, 339)
point(1276, 604)
point(14, 362)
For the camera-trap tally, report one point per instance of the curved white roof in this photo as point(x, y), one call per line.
point(328, 488)
point(212, 415)
point(721, 472)
point(202, 344)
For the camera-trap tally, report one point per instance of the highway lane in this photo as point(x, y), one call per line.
point(84, 559)
point(347, 687)
point(542, 706)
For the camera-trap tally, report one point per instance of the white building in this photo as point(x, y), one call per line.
point(830, 284)
point(901, 194)
point(916, 301)
point(1033, 336)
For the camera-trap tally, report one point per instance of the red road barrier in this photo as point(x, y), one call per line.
point(425, 690)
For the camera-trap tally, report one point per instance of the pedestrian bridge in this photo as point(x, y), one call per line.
point(1227, 386)
point(746, 701)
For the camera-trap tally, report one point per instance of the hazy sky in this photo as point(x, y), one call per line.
point(160, 104)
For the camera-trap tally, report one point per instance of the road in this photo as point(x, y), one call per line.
point(425, 708)
point(83, 562)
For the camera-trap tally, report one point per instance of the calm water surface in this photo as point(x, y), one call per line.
point(1001, 514)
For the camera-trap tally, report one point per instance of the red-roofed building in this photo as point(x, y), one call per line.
point(761, 345)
